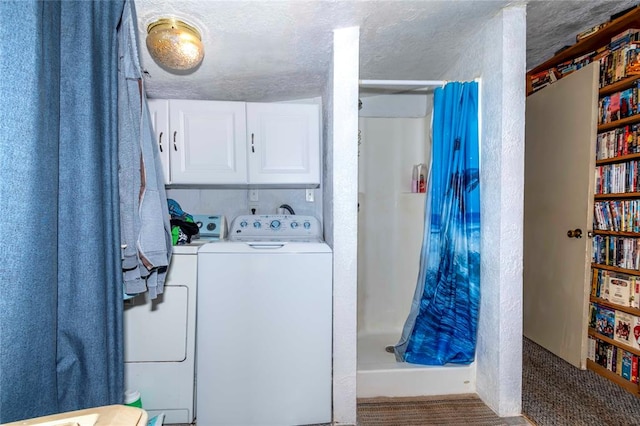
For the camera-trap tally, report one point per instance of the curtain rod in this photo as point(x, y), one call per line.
point(402, 82)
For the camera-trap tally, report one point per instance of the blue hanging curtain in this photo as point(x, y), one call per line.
point(60, 281)
point(441, 327)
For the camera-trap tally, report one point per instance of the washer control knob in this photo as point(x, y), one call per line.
point(275, 224)
point(199, 224)
point(294, 225)
point(243, 224)
point(211, 226)
point(257, 224)
point(307, 225)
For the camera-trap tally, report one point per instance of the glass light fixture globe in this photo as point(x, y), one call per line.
point(174, 44)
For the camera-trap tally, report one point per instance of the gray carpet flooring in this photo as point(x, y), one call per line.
point(556, 393)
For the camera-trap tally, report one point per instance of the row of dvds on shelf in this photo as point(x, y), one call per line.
point(622, 60)
point(619, 105)
point(620, 141)
point(617, 215)
point(621, 252)
point(613, 358)
point(622, 327)
point(616, 287)
point(617, 60)
point(617, 178)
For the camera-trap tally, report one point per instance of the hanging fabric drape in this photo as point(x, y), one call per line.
point(61, 279)
point(442, 324)
point(144, 213)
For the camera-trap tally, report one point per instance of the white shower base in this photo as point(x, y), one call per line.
point(378, 373)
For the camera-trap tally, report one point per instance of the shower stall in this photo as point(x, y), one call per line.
point(390, 230)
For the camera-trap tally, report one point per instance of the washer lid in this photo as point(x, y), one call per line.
point(262, 247)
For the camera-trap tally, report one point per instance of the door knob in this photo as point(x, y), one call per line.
point(576, 233)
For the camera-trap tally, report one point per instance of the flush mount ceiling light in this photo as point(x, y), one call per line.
point(174, 44)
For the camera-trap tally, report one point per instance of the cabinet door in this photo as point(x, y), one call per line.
point(159, 111)
point(208, 142)
point(283, 143)
point(559, 181)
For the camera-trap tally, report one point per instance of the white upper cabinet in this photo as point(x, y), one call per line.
point(283, 143)
point(204, 142)
point(200, 142)
point(237, 143)
point(159, 111)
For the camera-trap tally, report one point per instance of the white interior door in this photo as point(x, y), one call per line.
point(559, 179)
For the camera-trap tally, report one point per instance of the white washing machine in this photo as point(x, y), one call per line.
point(264, 324)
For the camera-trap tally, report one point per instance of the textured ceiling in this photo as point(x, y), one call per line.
point(273, 50)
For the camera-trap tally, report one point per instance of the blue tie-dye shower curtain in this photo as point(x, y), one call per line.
point(442, 325)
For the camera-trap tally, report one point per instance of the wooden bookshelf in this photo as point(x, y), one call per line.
point(591, 365)
point(615, 234)
point(619, 86)
point(593, 42)
point(627, 309)
point(623, 383)
point(609, 340)
point(615, 268)
point(619, 123)
point(589, 44)
point(619, 195)
point(618, 159)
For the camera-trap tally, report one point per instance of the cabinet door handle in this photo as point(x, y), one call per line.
point(252, 147)
point(160, 141)
point(175, 148)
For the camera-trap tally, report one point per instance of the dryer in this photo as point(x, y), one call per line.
point(159, 339)
point(160, 335)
